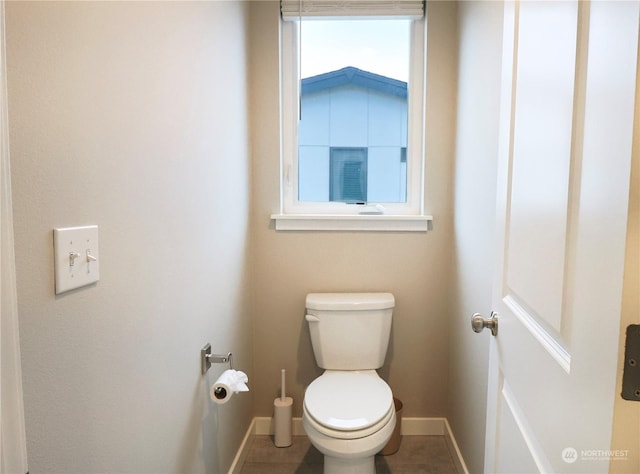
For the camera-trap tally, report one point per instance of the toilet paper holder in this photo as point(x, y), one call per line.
point(207, 358)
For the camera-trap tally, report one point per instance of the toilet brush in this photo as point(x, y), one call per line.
point(282, 416)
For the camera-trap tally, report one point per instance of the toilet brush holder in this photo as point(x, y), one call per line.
point(282, 421)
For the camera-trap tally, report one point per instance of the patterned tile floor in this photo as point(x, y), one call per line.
point(417, 454)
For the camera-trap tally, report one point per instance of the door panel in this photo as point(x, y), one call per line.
point(567, 116)
point(542, 143)
point(519, 451)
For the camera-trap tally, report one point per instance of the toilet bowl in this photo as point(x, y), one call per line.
point(349, 416)
point(348, 412)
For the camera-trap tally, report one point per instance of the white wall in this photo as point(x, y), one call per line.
point(480, 43)
point(132, 116)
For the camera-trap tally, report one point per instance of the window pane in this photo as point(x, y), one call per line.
point(353, 97)
point(378, 46)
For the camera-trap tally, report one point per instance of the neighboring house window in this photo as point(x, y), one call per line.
point(348, 175)
point(352, 130)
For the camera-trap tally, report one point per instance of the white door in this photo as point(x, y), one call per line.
point(567, 115)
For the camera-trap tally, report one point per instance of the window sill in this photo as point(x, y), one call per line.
point(379, 223)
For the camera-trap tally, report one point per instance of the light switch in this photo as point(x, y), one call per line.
point(77, 261)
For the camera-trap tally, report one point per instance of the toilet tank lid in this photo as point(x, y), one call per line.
point(349, 301)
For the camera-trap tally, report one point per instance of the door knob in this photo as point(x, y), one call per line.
point(478, 323)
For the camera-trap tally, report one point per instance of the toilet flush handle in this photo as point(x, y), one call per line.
point(311, 318)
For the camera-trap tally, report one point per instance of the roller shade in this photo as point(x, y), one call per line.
point(296, 9)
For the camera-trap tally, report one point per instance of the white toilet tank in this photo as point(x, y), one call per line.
point(349, 331)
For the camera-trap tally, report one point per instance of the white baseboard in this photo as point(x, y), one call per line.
point(263, 425)
point(243, 451)
point(458, 460)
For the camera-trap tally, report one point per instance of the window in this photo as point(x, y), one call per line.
point(352, 113)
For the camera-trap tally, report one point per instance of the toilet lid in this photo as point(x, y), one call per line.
point(348, 400)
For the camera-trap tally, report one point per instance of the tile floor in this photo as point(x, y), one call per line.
point(417, 454)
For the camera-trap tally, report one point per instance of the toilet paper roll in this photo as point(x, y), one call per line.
point(230, 382)
point(220, 393)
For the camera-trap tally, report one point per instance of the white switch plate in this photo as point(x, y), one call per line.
point(77, 260)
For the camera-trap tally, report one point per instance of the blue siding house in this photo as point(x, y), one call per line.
point(352, 137)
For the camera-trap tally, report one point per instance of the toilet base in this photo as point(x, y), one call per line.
point(365, 465)
point(349, 456)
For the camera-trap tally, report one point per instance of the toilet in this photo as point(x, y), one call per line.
point(348, 412)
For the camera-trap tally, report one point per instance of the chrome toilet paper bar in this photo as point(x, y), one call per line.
point(207, 358)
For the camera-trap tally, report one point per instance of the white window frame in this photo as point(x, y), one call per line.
point(304, 215)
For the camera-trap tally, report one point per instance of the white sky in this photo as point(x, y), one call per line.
point(378, 46)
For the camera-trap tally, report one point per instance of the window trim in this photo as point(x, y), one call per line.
point(347, 223)
point(303, 215)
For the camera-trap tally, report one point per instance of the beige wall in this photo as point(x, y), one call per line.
point(132, 116)
point(480, 46)
point(415, 267)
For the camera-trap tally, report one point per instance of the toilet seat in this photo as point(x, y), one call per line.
point(348, 404)
point(346, 435)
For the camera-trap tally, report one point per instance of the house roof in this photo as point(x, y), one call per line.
point(353, 76)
